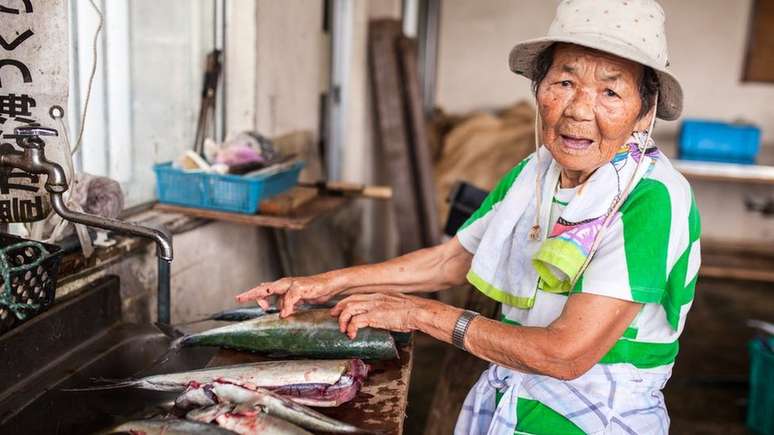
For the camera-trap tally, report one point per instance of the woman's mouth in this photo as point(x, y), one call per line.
point(576, 143)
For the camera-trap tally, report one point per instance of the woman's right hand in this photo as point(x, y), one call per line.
point(291, 291)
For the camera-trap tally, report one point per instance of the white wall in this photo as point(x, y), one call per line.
point(473, 45)
point(707, 41)
point(291, 65)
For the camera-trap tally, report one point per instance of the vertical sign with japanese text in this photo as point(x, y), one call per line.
point(33, 78)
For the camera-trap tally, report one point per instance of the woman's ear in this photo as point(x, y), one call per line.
point(644, 122)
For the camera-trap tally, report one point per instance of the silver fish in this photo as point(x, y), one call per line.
point(169, 427)
point(245, 420)
point(270, 403)
point(310, 382)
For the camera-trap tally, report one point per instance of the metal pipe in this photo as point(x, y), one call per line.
point(163, 246)
point(32, 159)
point(163, 303)
point(163, 241)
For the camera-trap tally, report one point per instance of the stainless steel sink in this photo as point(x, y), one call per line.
point(72, 345)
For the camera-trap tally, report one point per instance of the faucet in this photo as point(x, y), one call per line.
point(32, 159)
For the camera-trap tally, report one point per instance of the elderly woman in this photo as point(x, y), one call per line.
point(591, 244)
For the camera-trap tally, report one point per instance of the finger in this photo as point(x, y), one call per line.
point(350, 311)
point(289, 301)
point(354, 299)
point(279, 303)
point(263, 303)
point(265, 289)
point(357, 322)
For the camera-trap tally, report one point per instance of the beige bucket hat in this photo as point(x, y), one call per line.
point(631, 29)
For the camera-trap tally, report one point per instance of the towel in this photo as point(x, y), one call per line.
point(509, 266)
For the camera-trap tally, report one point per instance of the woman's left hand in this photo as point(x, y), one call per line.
point(393, 312)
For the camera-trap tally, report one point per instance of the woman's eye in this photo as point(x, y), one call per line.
point(610, 93)
point(565, 83)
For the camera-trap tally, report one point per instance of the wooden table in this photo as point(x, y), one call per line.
point(380, 405)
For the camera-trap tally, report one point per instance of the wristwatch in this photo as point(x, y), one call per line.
point(461, 327)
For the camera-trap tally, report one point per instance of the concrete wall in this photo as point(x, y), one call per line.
point(707, 46)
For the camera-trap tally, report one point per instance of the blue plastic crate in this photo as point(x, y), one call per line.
point(718, 141)
point(760, 408)
point(233, 193)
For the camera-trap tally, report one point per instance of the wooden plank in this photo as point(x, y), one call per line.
point(285, 203)
point(298, 220)
point(736, 273)
point(380, 406)
point(391, 130)
point(748, 261)
point(759, 60)
point(419, 147)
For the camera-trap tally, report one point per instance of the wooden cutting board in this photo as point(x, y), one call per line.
point(284, 203)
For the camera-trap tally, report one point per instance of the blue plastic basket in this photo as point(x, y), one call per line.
point(719, 142)
point(760, 410)
point(233, 193)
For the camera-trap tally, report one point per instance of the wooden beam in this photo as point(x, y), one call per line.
point(419, 147)
point(391, 130)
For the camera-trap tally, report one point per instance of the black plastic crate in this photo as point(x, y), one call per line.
point(464, 200)
point(30, 270)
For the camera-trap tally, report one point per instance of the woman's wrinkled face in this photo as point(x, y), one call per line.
point(589, 103)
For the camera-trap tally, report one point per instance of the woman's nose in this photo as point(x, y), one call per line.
point(581, 107)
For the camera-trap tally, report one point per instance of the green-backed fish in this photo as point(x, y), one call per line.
point(245, 420)
point(268, 402)
point(319, 383)
point(169, 427)
point(312, 333)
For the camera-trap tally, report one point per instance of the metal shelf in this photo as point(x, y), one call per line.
point(712, 171)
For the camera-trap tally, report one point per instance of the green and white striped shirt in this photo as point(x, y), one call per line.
point(655, 263)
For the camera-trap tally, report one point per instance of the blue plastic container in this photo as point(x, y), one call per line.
point(233, 193)
point(760, 408)
point(718, 141)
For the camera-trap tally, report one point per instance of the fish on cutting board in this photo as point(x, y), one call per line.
point(245, 420)
point(264, 400)
point(168, 427)
point(321, 383)
point(312, 333)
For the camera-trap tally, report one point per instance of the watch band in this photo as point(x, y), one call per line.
point(461, 327)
